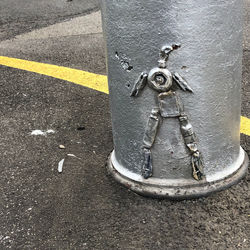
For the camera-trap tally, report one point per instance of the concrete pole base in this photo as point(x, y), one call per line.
point(175, 189)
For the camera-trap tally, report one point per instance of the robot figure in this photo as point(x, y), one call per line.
point(169, 105)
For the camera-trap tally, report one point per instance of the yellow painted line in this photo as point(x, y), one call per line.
point(245, 125)
point(84, 78)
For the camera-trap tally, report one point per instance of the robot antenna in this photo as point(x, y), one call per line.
point(165, 52)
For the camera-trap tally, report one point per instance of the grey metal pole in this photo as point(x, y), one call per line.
point(174, 70)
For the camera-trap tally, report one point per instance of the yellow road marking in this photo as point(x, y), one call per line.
point(84, 78)
point(245, 125)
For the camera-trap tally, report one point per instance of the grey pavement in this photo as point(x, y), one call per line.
point(83, 207)
point(21, 16)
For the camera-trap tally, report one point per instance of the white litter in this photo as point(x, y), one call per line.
point(37, 132)
point(40, 132)
point(60, 166)
point(72, 155)
point(50, 131)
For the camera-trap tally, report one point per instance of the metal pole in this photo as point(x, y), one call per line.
point(174, 69)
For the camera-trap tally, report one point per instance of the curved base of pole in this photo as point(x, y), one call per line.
point(179, 191)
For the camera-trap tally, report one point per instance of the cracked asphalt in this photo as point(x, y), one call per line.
point(83, 207)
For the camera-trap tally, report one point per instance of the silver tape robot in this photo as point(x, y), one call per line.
point(169, 105)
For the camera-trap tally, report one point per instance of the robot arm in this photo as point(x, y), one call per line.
point(140, 84)
point(181, 83)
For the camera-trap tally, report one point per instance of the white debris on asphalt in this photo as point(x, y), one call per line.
point(60, 166)
point(40, 132)
point(5, 238)
point(37, 132)
point(50, 131)
point(72, 155)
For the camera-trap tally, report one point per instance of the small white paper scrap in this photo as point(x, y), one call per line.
point(37, 132)
point(50, 131)
point(72, 155)
point(40, 132)
point(60, 166)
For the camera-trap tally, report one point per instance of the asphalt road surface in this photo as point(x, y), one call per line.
point(83, 208)
point(21, 16)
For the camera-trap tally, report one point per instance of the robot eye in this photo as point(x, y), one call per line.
point(160, 79)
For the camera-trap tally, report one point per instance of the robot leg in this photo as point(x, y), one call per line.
point(190, 141)
point(148, 141)
point(197, 166)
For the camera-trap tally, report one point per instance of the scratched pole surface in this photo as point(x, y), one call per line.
point(205, 60)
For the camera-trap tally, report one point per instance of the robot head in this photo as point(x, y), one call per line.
point(160, 79)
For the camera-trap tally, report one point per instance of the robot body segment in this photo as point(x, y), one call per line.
point(169, 105)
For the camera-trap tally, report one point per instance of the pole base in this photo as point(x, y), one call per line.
point(178, 190)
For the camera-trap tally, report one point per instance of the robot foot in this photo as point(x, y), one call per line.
point(197, 166)
point(147, 168)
